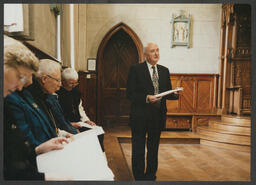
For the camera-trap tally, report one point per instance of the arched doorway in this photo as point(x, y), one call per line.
point(119, 49)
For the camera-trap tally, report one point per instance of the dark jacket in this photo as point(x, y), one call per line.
point(139, 85)
point(69, 102)
point(19, 155)
point(24, 110)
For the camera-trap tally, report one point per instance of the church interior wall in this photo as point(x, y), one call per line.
point(44, 29)
point(151, 22)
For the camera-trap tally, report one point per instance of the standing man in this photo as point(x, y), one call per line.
point(148, 113)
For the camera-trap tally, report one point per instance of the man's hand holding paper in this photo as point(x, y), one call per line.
point(169, 92)
point(152, 98)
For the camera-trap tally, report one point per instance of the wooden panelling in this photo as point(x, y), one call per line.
point(197, 96)
point(87, 86)
point(204, 96)
point(181, 122)
point(187, 103)
point(202, 120)
point(173, 106)
point(196, 102)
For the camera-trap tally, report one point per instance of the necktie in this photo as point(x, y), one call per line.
point(155, 80)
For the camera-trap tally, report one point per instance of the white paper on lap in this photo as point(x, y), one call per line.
point(97, 129)
point(81, 159)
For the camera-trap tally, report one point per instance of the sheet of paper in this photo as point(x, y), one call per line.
point(81, 159)
point(168, 92)
point(97, 129)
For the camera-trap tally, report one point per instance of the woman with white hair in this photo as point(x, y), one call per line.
point(70, 100)
point(37, 111)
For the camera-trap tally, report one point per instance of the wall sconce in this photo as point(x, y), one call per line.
point(56, 8)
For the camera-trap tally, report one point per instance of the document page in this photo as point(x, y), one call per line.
point(81, 159)
point(168, 92)
point(97, 129)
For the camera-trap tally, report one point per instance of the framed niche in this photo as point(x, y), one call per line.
point(91, 64)
point(180, 30)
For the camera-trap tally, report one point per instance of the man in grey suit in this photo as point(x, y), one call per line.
point(148, 113)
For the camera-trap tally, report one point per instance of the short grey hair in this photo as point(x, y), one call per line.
point(146, 46)
point(69, 73)
point(48, 67)
point(17, 54)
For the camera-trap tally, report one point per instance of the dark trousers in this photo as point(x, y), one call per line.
point(139, 140)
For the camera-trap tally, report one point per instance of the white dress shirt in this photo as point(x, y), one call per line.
point(151, 70)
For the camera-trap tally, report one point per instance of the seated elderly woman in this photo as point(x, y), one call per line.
point(70, 100)
point(35, 110)
point(19, 155)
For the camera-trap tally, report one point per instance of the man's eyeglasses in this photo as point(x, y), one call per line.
point(57, 80)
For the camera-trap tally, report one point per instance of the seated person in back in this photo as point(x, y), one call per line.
point(70, 100)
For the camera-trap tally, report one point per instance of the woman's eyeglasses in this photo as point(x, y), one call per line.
point(22, 79)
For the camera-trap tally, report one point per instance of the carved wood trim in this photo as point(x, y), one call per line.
point(235, 57)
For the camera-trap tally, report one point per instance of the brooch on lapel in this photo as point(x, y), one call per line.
point(35, 105)
point(13, 126)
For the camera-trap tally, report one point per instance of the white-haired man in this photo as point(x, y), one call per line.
point(70, 100)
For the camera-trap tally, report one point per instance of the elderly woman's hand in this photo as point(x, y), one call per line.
point(52, 144)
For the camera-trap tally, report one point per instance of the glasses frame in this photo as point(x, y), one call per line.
point(73, 84)
point(57, 80)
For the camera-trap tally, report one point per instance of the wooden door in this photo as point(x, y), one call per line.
point(119, 53)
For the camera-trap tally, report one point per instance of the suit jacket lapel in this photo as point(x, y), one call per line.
point(148, 77)
point(160, 76)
